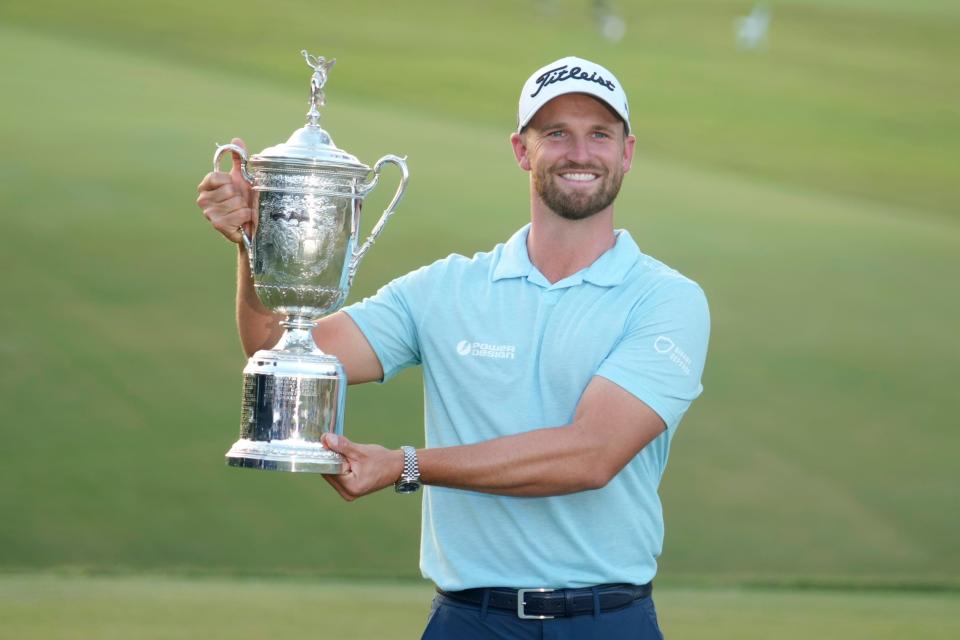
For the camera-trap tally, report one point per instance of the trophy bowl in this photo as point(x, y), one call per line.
point(303, 257)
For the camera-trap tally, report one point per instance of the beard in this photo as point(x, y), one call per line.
point(576, 205)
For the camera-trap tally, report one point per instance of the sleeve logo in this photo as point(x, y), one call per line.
point(665, 346)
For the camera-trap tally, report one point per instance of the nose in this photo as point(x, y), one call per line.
point(578, 151)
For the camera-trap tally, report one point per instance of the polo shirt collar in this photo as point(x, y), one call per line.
point(514, 261)
point(609, 270)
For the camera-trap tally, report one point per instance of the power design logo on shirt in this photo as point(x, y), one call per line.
point(484, 350)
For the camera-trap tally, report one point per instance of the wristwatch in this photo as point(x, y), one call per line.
point(409, 480)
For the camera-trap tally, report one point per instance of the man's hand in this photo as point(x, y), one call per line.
point(227, 200)
point(371, 467)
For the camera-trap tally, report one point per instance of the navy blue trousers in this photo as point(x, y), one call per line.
point(453, 620)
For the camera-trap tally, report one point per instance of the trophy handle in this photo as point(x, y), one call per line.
point(377, 228)
point(222, 149)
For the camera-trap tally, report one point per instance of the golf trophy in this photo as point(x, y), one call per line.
point(303, 258)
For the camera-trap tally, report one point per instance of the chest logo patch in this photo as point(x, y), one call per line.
point(469, 349)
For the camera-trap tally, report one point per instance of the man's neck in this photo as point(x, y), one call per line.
point(559, 248)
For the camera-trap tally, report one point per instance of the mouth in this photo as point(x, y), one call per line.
point(579, 176)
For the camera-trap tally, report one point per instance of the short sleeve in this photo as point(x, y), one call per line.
point(387, 321)
point(661, 355)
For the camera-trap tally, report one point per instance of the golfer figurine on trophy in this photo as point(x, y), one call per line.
point(303, 257)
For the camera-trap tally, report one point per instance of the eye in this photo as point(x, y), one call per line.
point(601, 135)
point(556, 133)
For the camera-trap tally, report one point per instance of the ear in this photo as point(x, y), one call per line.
point(628, 147)
point(520, 151)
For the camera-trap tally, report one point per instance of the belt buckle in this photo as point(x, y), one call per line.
point(521, 604)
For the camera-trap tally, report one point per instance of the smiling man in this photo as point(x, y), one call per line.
point(557, 367)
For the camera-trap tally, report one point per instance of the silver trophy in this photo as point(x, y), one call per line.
point(303, 258)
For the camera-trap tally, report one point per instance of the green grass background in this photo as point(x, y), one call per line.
point(812, 190)
point(170, 608)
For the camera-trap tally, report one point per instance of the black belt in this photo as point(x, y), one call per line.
point(553, 603)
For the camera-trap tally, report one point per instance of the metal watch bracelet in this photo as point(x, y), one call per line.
point(409, 480)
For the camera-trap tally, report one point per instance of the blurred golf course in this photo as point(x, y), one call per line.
point(810, 187)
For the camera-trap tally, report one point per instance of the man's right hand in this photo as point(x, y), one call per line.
point(227, 200)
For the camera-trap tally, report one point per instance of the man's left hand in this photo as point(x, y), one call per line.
point(370, 467)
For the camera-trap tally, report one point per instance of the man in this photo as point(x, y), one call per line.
point(556, 369)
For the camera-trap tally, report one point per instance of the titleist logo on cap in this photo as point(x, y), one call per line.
point(560, 74)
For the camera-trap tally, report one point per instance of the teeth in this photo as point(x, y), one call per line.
point(579, 177)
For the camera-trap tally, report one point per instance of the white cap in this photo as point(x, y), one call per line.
point(571, 75)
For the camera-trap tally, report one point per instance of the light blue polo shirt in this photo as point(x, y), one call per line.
point(503, 352)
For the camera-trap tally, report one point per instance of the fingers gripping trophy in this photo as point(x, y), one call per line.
point(303, 258)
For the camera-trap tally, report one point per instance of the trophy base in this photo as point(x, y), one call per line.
point(290, 399)
point(285, 455)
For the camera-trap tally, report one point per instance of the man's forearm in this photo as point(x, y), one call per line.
point(544, 462)
point(258, 326)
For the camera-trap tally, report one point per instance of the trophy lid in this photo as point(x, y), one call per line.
point(310, 146)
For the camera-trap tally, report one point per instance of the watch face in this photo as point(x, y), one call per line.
point(407, 487)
